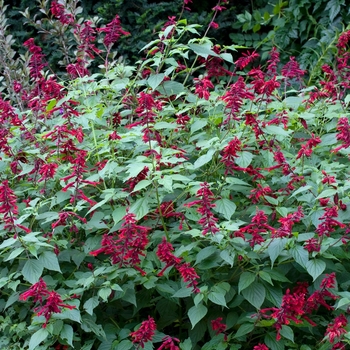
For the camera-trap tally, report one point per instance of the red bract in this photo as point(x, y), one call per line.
point(202, 87)
point(233, 98)
point(145, 333)
point(47, 171)
point(189, 274)
point(343, 135)
point(288, 222)
point(217, 326)
point(168, 343)
point(126, 247)
point(229, 154)
point(260, 347)
point(59, 12)
point(307, 149)
point(292, 70)
point(207, 221)
point(336, 329)
point(132, 182)
point(36, 62)
point(164, 253)
point(50, 301)
point(246, 59)
point(113, 31)
point(328, 225)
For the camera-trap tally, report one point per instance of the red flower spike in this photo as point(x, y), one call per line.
point(217, 326)
point(260, 347)
point(168, 343)
point(145, 333)
point(207, 221)
point(336, 329)
point(113, 31)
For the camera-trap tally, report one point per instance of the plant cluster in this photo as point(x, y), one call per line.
point(189, 201)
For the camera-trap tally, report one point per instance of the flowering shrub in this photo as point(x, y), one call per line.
point(188, 202)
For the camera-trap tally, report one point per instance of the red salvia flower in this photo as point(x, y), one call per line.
point(260, 347)
point(229, 154)
point(207, 221)
point(287, 223)
point(307, 149)
point(165, 254)
point(168, 343)
point(328, 225)
point(36, 63)
point(202, 87)
point(344, 134)
point(126, 247)
point(59, 12)
point(145, 333)
point(273, 62)
point(113, 31)
point(217, 326)
point(292, 70)
point(336, 329)
point(246, 59)
point(47, 171)
point(133, 181)
point(50, 301)
point(233, 98)
point(312, 245)
point(189, 274)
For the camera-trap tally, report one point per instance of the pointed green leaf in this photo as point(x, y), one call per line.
point(196, 313)
point(154, 80)
point(287, 333)
point(225, 207)
point(275, 248)
point(203, 50)
point(39, 336)
point(245, 280)
point(244, 159)
point(315, 267)
point(300, 255)
point(67, 334)
point(90, 304)
point(255, 294)
point(204, 159)
point(217, 298)
point(244, 329)
point(32, 270)
point(49, 261)
point(140, 208)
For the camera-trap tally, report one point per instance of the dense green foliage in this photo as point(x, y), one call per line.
point(190, 200)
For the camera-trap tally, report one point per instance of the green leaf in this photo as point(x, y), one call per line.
point(141, 185)
point(244, 159)
point(315, 267)
point(39, 336)
point(124, 345)
point(205, 253)
point(140, 208)
point(90, 304)
point(287, 333)
point(32, 270)
point(265, 276)
point(154, 80)
point(203, 50)
point(228, 256)
point(204, 159)
point(217, 298)
point(196, 313)
point(244, 329)
point(255, 294)
point(67, 334)
point(300, 255)
point(170, 88)
point(275, 248)
point(182, 293)
point(104, 293)
point(300, 190)
point(8, 242)
point(275, 130)
point(327, 193)
point(198, 125)
point(225, 207)
point(49, 261)
point(14, 253)
point(245, 280)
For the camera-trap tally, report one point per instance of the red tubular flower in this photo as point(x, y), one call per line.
point(217, 326)
point(126, 247)
point(260, 347)
point(292, 70)
point(47, 171)
point(50, 302)
point(307, 149)
point(202, 87)
point(132, 182)
point(233, 98)
point(52, 305)
point(336, 329)
point(246, 58)
point(344, 134)
point(145, 333)
point(287, 223)
point(113, 31)
point(328, 225)
point(164, 253)
point(230, 153)
point(273, 62)
point(36, 62)
point(168, 343)
point(207, 221)
point(189, 274)
point(58, 11)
